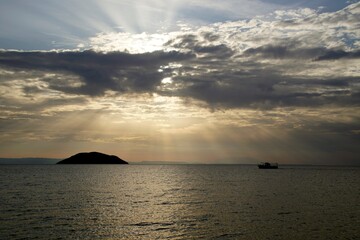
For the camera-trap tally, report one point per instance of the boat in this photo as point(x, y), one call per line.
point(267, 165)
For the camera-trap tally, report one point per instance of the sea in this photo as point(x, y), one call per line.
point(179, 202)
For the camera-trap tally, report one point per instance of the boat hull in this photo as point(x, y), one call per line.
point(267, 167)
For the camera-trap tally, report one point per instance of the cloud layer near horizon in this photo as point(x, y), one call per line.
point(293, 70)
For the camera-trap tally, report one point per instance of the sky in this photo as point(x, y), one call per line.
point(197, 81)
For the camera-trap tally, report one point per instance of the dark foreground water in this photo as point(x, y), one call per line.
point(178, 202)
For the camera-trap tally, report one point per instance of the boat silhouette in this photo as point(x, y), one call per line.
point(267, 165)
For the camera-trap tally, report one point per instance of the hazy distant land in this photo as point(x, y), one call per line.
point(30, 160)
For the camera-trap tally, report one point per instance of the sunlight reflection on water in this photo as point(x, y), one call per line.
point(178, 202)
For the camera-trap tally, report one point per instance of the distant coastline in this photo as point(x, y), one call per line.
point(29, 161)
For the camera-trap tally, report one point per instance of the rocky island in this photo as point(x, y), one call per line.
point(92, 158)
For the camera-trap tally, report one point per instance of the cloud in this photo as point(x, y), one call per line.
point(338, 54)
point(279, 60)
point(98, 72)
point(284, 51)
point(272, 62)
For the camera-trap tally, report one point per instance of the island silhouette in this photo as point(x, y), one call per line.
point(92, 158)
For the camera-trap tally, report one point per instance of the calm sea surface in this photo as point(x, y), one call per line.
point(178, 202)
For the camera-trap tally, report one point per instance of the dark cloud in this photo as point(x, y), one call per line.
point(203, 45)
point(185, 41)
point(210, 36)
point(258, 95)
point(289, 47)
point(212, 77)
point(286, 51)
point(121, 72)
point(218, 51)
point(239, 83)
point(338, 54)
